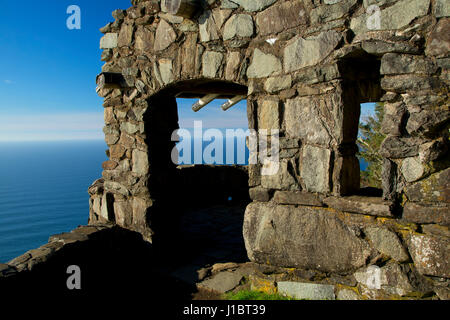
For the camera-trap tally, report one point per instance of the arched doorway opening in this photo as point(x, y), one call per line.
point(198, 206)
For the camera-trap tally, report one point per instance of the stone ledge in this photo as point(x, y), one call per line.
point(7, 270)
point(30, 259)
point(420, 213)
point(362, 205)
point(298, 197)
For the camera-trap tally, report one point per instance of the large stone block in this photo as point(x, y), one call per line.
point(263, 65)
point(426, 213)
point(303, 120)
point(165, 36)
point(277, 18)
point(125, 36)
point(308, 291)
point(427, 122)
point(212, 63)
point(109, 41)
point(393, 63)
point(239, 25)
point(363, 205)
point(298, 198)
point(387, 243)
point(315, 169)
point(145, 39)
point(394, 17)
point(409, 83)
point(335, 10)
point(140, 162)
point(166, 70)
point(435, 188)
point(412, 169)
point(439, 41)
point(303, 237)
point(302, 52)
point(442, 8)
point(379, 282)
point(207, 27)
point(431, 255)
point(282, 179)
point(269, 115)
point(276, 84)
point(398, 148)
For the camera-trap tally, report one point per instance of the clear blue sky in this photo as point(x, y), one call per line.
point(47, 73)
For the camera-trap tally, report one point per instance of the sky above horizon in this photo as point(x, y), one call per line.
point(47, 76)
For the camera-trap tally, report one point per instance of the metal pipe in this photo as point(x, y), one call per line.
point(204, 101)
point(227, 105)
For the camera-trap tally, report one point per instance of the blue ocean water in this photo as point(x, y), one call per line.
point(43, 190)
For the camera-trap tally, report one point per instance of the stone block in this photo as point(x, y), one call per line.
point(165, 36)
point(315, 169)
point(207, 27)
point(412, 169)
point(282, 179)
point(269, 115)
point(435, 188)
point(263, 65)
point(222, 282)
point(394, 17)
point(393, 63)
point(302, 237)
point(109, 41)
point(212, 63)
point(277, 18)
point(409, 83)
point(427, 213)
point(362, 205)
point(306, 291)
point(442, 8)
point(335, 10)
point(347, 294)
point(302, 52)
point(439, 40)
point(239, 25)
point(430, 254)
point(303, 120)
point(298, 198)
point(387, 242)
point(398, 148)
point(259, 194)
point(276, 84)
point(140, 163)
point(125, 36)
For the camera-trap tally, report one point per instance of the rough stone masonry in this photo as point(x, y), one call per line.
point(306, 66)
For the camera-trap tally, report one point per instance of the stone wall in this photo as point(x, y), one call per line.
point(307, 65)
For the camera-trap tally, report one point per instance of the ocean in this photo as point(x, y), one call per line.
point(43, 190)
